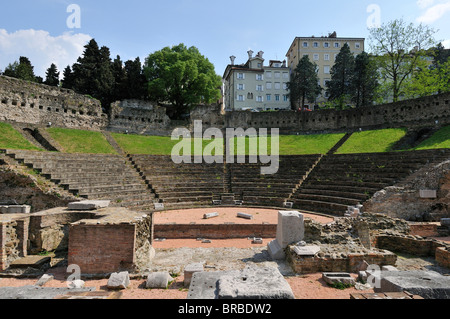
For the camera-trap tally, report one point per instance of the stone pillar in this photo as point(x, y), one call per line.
point(290, 230)
point(2, 247)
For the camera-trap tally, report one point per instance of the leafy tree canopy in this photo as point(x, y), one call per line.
point(181, 76)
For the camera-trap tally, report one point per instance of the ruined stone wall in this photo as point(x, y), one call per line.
point(223, 231)
point(419, 112)
point(13, 240)
point(138, 117)
point(414, 245)
point(26, 102)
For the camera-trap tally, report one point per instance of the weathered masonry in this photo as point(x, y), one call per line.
point(38, 104)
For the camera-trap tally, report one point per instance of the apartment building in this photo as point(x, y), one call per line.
point(254, 86)
point(323, 52)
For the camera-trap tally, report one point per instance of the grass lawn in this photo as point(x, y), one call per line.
point(79, 141)
point(441, 139)
point(289, 145)
point(378, 141)
point(11, 139)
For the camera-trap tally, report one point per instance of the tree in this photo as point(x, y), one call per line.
point(181, 76)
point(399, 47)
point(428, 81)
point(304, 84)
point(93, 75)
point(120, 80)
point(21, 70)
point(52, 76)
point(136, 83)
point(340, 87)
point(364, 80)
point(68, 81)
point(441, 55)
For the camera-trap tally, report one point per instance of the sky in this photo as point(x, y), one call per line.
point(55, 31)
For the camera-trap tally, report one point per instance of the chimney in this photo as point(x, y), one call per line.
point(260, 54)
point(232, 58)
point(284, 64)
point(250, 54)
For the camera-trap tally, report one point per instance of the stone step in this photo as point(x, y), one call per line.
point(325, 198)
point(359, 196)
point(116, 194)
point(186, 199)
point(321, 207)
point(105, 188)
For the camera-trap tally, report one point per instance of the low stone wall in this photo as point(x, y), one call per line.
point(424, 229)
point(414, 245)
point(344, 262)
point(443, 256)
point(223, 231)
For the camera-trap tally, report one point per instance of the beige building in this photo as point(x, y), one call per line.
point(322, 51)
point(253, 86)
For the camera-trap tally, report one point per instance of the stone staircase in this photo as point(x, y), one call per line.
point(340, 181)
point(91, 176)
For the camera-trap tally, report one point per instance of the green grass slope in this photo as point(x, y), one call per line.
point(79, 141)
point(378, 141)
point(441, 139)
point(11, 139)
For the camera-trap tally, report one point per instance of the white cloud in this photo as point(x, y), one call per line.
point(424, 3)
point(434, 13)
point(41, 48)
point(446, 43)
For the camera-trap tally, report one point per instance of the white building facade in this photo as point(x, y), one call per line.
point(253, 86)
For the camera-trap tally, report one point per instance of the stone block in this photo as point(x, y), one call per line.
point(290, 228)
point(210, 215)
point(288, 204)
point(89, 205)
point(334, 278)
point(254, 283)
point(4, 209)
point(427, 284)
point(275, 250)
point(388, 268)
point(76, 284)
point(257, 241)
point(245, 216)
point(306, 250)
point(250, 283)
point(18, 209)
point(445, 222)
point(44, 279)
point(190, 270)
point(158, 280)
point(217, 202)
point(119, 280)
point(159, 206)
point(428, 194)
point(362, 276)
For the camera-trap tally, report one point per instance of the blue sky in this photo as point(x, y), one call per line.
point(38, 29)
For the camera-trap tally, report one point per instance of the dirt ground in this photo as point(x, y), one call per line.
point(174, 255)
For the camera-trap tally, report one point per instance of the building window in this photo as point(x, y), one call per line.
point(316, 44)
point(326, 57)
point(326, 45)
point(240, 98)
point(268, 97)
point(336, 45)
point(316, 57)
point(285, 86)
point(285, 75)
point(326, 69)
point(269, 74)
point(325, 82)
point(277, 97)
point(277, 86)
point(241, 87)
point(285, 98)
point(259, 77)
point(259, 65)
point(277, 75)
point(240, 76)
point(259, 99)
point(357, 45)
point(305, 44)
point(269, 85)
point(250, 96)
point(259, 88)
